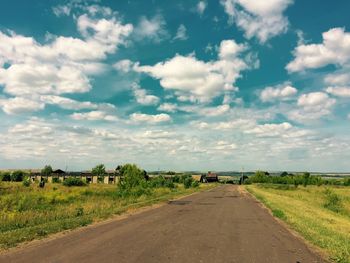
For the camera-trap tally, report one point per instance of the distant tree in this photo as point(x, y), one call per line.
point(17, 176)
point(306, 178)
point(46, 171)
point(284, 174)
point(6, 176)
point(118, 170)
point(99, 170)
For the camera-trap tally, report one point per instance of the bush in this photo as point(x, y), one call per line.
point(73, 181)
point(347, 181)
point(131, 176)
point(56, 180)
point(188, 182)
point(195, 184)
point(6, 177)
point(333, 201)
point(17, 176)
point(176, 179)
point(26, 181)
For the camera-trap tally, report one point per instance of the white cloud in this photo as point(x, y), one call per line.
point(337, 79)
point(94, 116)
point(125, 65)
point(142, 97)
point(19, 105)
point(193, 79)
point(313, 106)
point(271, 130)
point(339, 91)
point(201, 6)
point(157, 118)
point(335, 49)
point(215, 111)
point(153, 29)
point(168, 107)
point(261, 19)
point(67, 103)
point(181, 33)
point(61, 10)
point(63, 64)
point(279, 92)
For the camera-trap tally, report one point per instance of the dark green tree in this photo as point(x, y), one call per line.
point(46, 171)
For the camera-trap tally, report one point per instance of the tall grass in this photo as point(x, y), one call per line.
point(321, 214)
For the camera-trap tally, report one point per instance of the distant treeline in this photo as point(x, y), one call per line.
point(294, 179)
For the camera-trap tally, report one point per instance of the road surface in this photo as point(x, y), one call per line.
point(221, 225)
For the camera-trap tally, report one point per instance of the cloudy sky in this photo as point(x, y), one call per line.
point(175, 85)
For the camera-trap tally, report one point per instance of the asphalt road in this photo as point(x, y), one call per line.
point(221, 225)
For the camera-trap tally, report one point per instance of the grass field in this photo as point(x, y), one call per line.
point(28, 213)
point(320, 214)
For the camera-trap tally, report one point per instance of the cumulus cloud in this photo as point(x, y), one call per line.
point(313, 106)
point(260, 19)
point(94, 116)
point(66, 103)
point(270, 130)
point(279, 92)
point(197, 80)
point(181, 33)
point(63, 64)
point(19, 105)
point(335, 50)
point(149, 118)
point(153, 29)
point(168, 107)
point(142, 97)
point(337, 79)
point(339, 91)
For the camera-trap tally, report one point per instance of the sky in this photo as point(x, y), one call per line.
point(175, 85)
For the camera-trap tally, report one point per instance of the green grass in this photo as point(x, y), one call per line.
point(28, 213)
point(320, 214)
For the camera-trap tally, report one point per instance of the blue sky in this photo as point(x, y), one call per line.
point(175, 85)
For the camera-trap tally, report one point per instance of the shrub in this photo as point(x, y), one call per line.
point(131, 176)
point(333, 201)
point(188, 182)
point(73, 181)
point(17, 176)
point(6, 177)
point(195, 184)
point(176, 179)
point(56, 180)
point(347, 181)
point(26, 181)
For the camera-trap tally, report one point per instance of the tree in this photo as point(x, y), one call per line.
point(283, 174)
point(131, 176)
point(46, 171)
point(17, 176)
point(99, 170)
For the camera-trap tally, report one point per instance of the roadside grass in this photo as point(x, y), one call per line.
point(28, 213)
point(320, 214)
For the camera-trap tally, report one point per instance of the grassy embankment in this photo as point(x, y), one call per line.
point(28, 213)
point(320, 214)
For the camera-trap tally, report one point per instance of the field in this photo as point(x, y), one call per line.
point(320, 214)
point(29, 213)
